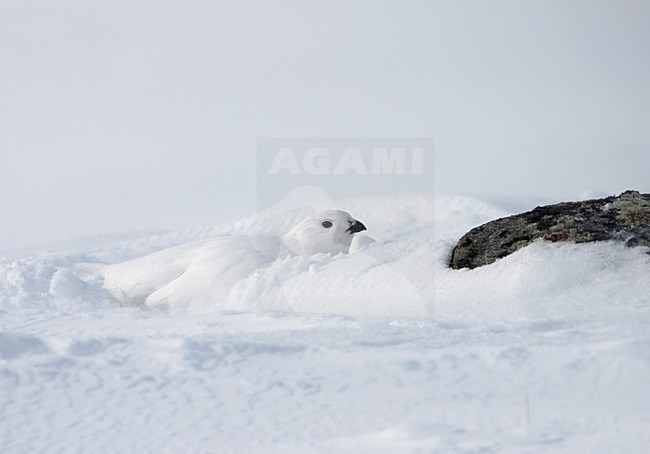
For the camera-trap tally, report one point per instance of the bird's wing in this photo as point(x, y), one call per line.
point(213, 270)
point(135, 280)
point(195, 275)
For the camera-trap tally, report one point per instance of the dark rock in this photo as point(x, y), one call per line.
point(622, 218)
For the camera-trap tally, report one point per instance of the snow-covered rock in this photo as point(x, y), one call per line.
point(623, 218)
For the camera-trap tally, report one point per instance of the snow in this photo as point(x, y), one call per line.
point(384, 349)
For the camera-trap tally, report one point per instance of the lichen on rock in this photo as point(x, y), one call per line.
point(621, 218)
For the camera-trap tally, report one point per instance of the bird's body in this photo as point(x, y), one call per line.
point(203, 273)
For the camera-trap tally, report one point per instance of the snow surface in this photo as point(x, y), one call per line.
point(381, 350)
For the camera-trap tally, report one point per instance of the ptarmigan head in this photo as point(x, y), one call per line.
point(327, 231)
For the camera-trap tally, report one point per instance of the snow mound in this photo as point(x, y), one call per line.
point(384, 349)
point(546, 280)
point(402, 271)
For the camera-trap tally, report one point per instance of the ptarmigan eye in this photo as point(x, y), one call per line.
point(327, 224)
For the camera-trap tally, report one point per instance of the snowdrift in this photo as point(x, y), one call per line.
point(398, 269)
point(384, 349)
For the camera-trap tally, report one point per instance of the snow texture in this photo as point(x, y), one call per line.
point(384, 349)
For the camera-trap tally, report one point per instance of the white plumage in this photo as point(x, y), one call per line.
point(203, 273)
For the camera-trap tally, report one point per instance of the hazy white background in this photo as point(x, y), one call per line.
point(118, 115)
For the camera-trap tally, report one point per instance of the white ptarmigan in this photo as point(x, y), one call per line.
point(202, 273)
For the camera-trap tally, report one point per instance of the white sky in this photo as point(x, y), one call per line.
point(118, 115)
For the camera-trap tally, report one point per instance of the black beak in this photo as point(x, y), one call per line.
point(356, 227)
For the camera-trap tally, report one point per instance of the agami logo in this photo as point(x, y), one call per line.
point(351, 161)
point(309, 170)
